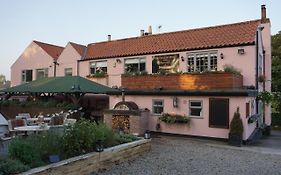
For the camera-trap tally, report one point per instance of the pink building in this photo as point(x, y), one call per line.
point(46, 60)
point(189, 72)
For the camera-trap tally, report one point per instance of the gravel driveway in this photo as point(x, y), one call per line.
point(178, 155)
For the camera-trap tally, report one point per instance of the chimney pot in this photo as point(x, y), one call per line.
point(149, 30)
point(141, 32)
point(108, 37)
point(263, 14)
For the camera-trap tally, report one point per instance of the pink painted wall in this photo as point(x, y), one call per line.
point(198, 126)
point(266, 36)
point(245, 63)
point(33, 57)
point(68, 59)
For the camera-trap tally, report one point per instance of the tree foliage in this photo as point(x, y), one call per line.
point(2, 80)
point(276, 62)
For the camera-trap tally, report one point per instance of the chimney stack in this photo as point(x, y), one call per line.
point(108, 37)
point(263, 14)
point(141, 32)
point(149, 30)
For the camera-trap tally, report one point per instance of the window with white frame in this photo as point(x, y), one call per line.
point(41, 73)
point(195, 108)
point(26, 75)
point(157, 106)
point(133, 65)
point(68, 72)
point(98, 67)
point(202, 61)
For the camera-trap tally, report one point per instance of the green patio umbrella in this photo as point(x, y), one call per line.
point(67, 84)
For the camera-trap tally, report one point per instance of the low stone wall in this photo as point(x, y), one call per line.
point(94, 162)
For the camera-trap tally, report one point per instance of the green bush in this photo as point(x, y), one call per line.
point(49, 144)
point(231, 69)
point(71, 106)
point(105, 134)
point(125, 138)
point(11, 166)
point(236, 124)
point(174, 118)
point(276, 119)
point(51, 103)
point(79, 138)
point(26, 151)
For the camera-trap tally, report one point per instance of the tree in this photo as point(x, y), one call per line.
point(276, 62)
point(2, 80)
point(276, 71)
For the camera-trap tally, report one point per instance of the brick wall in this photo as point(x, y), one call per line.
point(204, 81)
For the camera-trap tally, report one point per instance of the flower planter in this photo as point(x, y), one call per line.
point(185, 81)
point(235, 140)
point(95, 161)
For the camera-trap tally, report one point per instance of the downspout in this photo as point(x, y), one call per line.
point(55, 68)
point(263, 54)
point(257, 67)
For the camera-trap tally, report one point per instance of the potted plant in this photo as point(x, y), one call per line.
point(236, 130)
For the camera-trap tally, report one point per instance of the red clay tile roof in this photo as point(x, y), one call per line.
point(53, 50)
point(202, 38)
point(79, 48)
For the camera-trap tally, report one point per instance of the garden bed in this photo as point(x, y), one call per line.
point(94, 162)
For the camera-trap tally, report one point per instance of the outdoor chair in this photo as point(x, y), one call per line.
point(15, 123)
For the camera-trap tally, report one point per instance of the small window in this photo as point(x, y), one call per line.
point(195, 108)
point(41, 73)
point(68, 72)
point(134, 65)
point(98, 67)
point(158, 106)
point(26, 75)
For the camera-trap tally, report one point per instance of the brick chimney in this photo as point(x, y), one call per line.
point(263, 14)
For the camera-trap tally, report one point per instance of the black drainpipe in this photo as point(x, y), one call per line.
point(257, 69)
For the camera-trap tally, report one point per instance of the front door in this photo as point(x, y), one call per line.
point(219, 113)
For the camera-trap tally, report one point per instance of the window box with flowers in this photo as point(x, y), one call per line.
point(174, 118)
point(97, 75)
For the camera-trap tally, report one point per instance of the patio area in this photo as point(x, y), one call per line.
point(181, 155)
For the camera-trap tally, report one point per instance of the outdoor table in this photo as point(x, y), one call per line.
point(34, 120)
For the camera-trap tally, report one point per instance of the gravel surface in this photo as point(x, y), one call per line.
point(177, 155)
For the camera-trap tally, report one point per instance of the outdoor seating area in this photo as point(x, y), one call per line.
point(24, 124)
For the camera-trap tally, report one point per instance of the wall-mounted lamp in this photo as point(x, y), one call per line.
point(221, 55)
point(182, 58)
point(241, 51)
point(118, 61)
point(175, 102)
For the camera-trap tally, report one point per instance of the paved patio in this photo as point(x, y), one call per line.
point(180, 155)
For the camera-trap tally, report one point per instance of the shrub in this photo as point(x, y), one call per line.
point(236, 125)
point(71, 106)
point(265, 96)
point(51, 103)
point(11, 166)
point(105, 134)
point(79, 138)
point(174, 118)
point(49, 144)
point(26, 151)
point(231, 69)
point(125, 138)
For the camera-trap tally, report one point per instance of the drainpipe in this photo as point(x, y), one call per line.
point(257, 67)
point(55, 67)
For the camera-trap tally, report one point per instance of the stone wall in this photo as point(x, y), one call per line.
point(94, 162)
